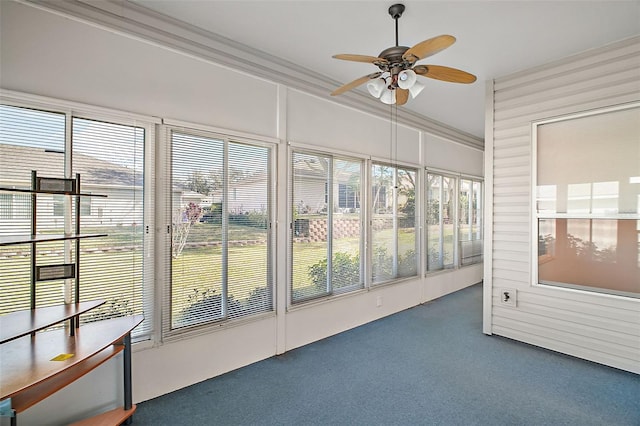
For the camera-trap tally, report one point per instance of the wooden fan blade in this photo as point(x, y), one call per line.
point(355, 83)
point(402, 95)
point(439, 72)
point(360, 58)
point(428, 48)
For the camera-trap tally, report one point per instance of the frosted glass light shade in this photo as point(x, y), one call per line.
point(416, 89)
point(375, 87)
point(388, 96)
point(406, 79)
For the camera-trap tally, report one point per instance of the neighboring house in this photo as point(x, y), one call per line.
point(310, 188)
point(250, 193)
point(247, 195)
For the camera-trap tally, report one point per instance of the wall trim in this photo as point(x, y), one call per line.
point(487, 290)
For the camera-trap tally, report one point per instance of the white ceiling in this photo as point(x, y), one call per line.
point(494, 38)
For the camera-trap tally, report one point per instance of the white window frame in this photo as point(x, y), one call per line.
point(458, 177)
point(480, 211)
point(418, 221)
point(454, 219)
point(364, 230)
point(164, 216)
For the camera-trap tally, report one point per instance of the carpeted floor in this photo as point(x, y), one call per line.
point(429, 365)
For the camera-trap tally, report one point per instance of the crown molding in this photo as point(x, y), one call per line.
point(137, 22)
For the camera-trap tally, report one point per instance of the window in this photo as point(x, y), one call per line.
point(110, 160)
point(450, 219)
point(379, 197)
point(470, 221)
point(6, 206)
point(221, 200)
point(440, 218)
point(326, 242)
point(348, 197)
point(588, 201)
point(29, 139)
point(393, 224)
point(59, 206)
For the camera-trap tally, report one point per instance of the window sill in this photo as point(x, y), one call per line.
point(199, 330)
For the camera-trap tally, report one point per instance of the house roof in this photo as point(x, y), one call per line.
point(17, 161)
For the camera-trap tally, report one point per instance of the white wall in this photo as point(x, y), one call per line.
point(51, 55)
point(54, 56)
point(440, 153)
point(597, 327)
point(349, 130)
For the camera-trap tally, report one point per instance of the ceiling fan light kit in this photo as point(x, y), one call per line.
point(406, 79)
point(376, 86)
point(388, 96)
point(416, 89)
point(398, 75)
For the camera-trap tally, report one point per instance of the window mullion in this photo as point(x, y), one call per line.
point(456, 215)
point(395, 222)
point(470, 211)
point(330, 192)
point(441, 223)
point(69, 295)
point(225, 230)
point(365, 224)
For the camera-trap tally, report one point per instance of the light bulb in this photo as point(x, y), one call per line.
point(406, 79)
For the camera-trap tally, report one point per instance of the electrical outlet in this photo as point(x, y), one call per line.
point(379, 301)
point(508, 297)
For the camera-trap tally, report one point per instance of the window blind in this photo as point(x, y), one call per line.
point(29, 140)
point(221, 229)
point(110, 160)
point(588, 201)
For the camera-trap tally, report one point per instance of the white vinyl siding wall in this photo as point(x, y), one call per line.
point(600, 328)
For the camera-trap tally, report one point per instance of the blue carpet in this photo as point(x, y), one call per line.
point(429, 365)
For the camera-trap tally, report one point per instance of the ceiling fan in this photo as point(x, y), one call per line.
point(398, 73)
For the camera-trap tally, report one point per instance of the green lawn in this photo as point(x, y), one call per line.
point(116, 265)
point(196, 269)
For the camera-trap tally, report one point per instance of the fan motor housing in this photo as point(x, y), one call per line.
point(393, 54)
point(395, 62)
